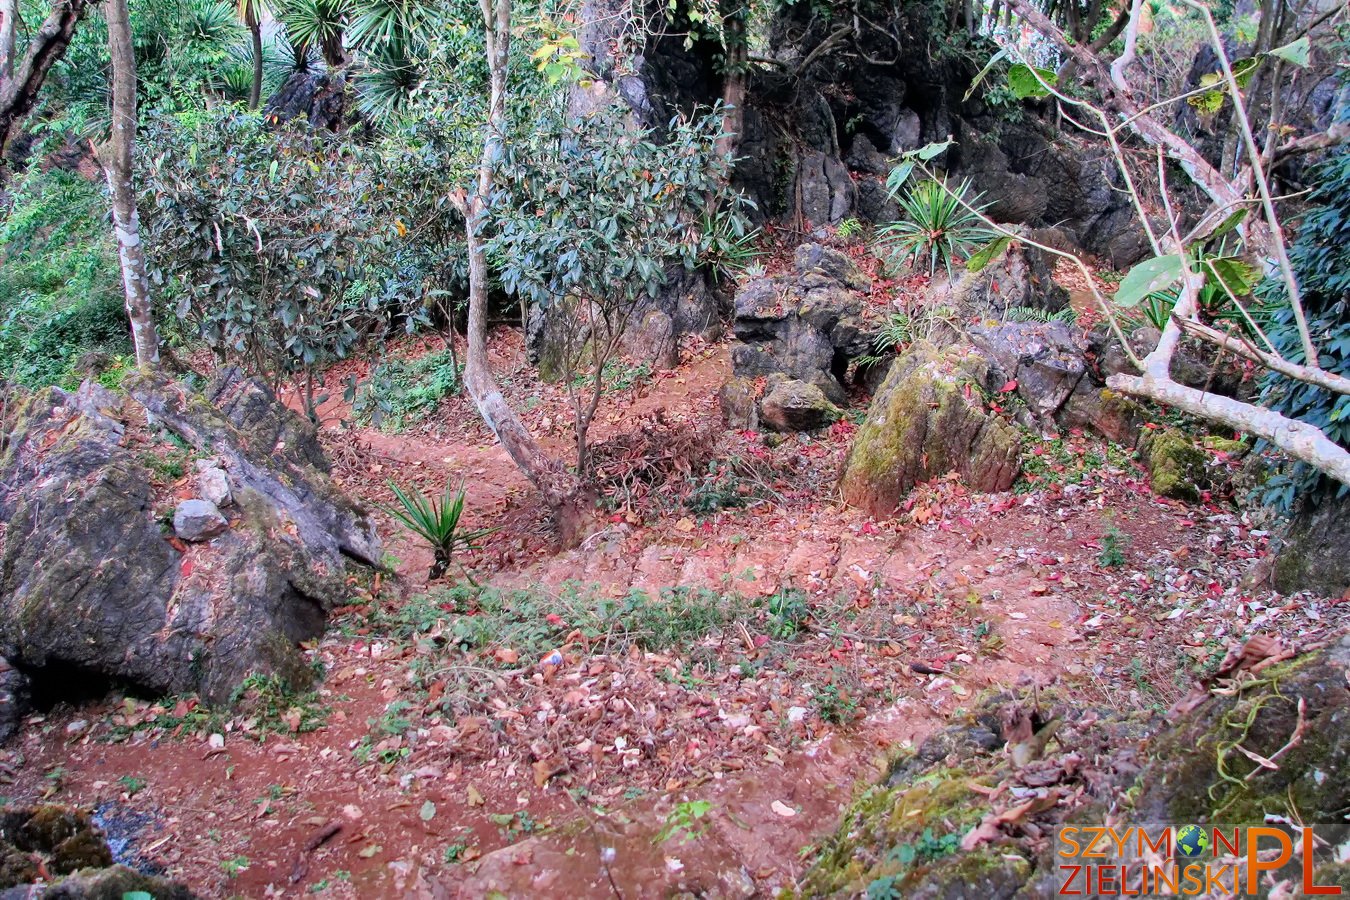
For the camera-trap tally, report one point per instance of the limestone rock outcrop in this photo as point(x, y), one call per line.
point(928, 419)
point(94, 586)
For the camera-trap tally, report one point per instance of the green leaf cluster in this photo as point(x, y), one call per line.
point(436, 521)
point(1320, 255)
point(940, 226)
point(594, 209)
point(264, 239)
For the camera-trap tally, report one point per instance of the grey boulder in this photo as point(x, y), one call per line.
point(198, 520)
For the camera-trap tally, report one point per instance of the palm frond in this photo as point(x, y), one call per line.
point(388, 81)
point(310, 23)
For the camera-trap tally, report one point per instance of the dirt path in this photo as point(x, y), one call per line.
point(456, 764)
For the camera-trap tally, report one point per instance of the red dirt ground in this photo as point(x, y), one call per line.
point(541, 772)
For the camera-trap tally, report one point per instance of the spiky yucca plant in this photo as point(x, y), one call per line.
point(436, 521)
point(937, 227)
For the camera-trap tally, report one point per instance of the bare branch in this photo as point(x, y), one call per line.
point(1244, 348)
point(1300, 440)
point(1131, 44)
point(1276, 247)
point(1206, 177)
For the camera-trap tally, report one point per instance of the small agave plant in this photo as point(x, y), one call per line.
point(436, 521)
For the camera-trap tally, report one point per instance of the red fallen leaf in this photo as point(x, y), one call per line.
point(185, 569)
point(553, 619)
point(760, 640)
point(1008, 386)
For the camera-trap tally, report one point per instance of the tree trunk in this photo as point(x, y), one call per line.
point(255, 33)
point(9, 19)
point(562, 491)
point(333, 52)
point(48, 44)
point(116, 158)
point(734, 84)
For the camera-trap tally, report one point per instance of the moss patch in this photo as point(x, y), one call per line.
point(1176, 465)
point(895, 835)
point(1197, 774)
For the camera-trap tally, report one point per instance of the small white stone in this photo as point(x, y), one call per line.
point(214, 485)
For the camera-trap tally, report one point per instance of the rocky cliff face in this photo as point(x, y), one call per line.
point(835, 97)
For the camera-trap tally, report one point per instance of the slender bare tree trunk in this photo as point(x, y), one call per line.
point(737, 55)
point(9, 20)
point(116, 158)
point(255, 34)
point(562, 491)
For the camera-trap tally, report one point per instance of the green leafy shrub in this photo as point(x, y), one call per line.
point(1320, 256)
point(401, 391)
point(936, 228)
point(592, 215)
point(264, 238)
point(685, 821)
point(788, 611)
point(1114, 542)
point(60, 287)
point(835, 703)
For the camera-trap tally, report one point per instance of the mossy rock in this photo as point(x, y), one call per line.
point(1114, 416)
point(1197, 774)
point(896, 834)
point(926, 420)
point(1311, 555)
point(16, 867)
point(991, 873)
point(1225, 445)
point(902, 838)
point(63, 841)
point(1176, 465)
point(114, 883)
point(791, 405)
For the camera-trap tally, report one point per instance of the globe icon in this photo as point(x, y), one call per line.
point(1192, 841)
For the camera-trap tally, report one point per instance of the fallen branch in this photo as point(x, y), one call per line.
point(319, 838)
point(1309, 374)
point(1300, 440)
